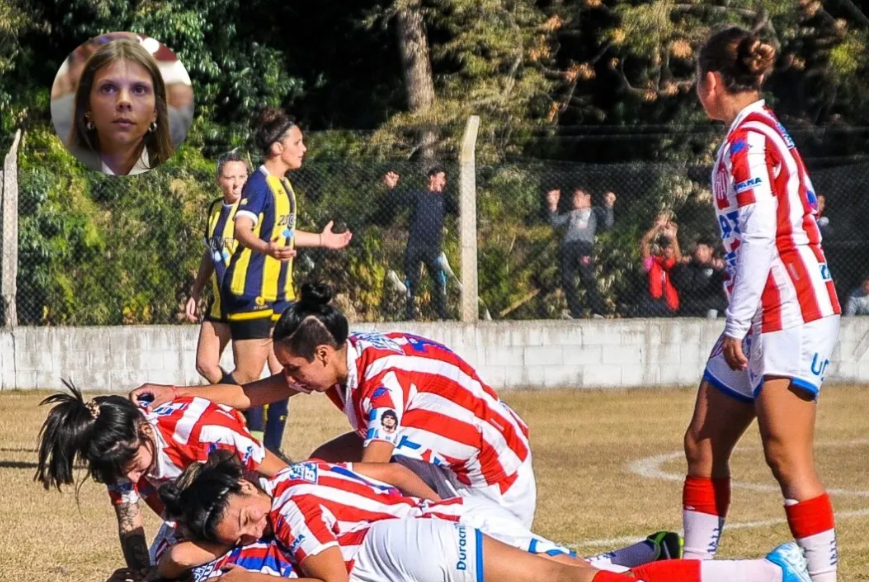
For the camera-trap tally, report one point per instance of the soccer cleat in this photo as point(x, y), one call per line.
point(668, 545)
point(789, 557)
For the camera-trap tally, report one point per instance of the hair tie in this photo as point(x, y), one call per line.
point(94, 408)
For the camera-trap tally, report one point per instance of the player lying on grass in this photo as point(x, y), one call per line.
point(338, 525)
point(403, 395)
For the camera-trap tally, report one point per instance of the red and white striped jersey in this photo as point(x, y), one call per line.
point(318, 505)
point(186, 431)
point(767, 211)
point(428, 402)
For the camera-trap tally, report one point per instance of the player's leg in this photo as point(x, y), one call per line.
point(569, 263)
point(208, 351)
point(439, 279)
point(277, 412)
point(722, 412)
point(346, 448)
point(784, 564)
point(251, 346)
point(791, 363)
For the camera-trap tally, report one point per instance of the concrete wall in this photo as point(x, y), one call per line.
point(543, 354)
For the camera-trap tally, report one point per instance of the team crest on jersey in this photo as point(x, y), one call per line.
point(303, 472)
point(379, 341)
point(169, 408)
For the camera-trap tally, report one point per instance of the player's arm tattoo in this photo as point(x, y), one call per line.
point(132, 534)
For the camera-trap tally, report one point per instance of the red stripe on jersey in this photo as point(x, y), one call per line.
point(437, 423)
point(771, 300)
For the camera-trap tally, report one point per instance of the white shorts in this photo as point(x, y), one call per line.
point(520, 499)
point(419, 550)
point(499, 523)
point(800, 353)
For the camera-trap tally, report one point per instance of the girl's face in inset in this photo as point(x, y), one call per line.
point(122, 104)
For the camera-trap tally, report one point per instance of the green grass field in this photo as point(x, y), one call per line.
point(585, 443)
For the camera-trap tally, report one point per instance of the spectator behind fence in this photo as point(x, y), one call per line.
point(858, 300)
point(660, 252)
point(823, 221)
point(577, 246)
point(426, 236)
point(699, 280)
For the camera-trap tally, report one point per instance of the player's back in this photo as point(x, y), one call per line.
point(759, 159)
point(448, 415)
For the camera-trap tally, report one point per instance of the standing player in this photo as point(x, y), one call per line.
point(133, 453)
point(783, 318)
point(258, 284)
point(220, 244)
point(403, 395)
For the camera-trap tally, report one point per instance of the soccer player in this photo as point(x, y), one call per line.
point(133, 453)
point(403, 395)
point(258, 284)
point(783, 317)
point(339, 525)
point(220, 244)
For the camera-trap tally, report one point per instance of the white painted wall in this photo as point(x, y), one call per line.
point(539, 354)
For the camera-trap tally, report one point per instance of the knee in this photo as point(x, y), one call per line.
point(697, 453)
point(208, 369)
point(785, 463)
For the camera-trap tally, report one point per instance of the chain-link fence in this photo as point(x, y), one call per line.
point(101, 250)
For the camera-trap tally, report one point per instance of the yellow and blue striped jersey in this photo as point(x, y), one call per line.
point(219, 240)
point(269, 201)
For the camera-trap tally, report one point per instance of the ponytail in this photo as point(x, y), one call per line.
point(310, 322)
point(104, 434)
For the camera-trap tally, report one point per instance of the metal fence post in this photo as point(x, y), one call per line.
point(468, 220)
point(9, 267)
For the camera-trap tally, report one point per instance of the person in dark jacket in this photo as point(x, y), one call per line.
point(577, 245)
point(700, 282)
point(429, 207)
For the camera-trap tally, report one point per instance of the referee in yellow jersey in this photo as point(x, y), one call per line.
point(258, 285)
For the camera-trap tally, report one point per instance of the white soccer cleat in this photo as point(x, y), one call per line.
point(789, 557)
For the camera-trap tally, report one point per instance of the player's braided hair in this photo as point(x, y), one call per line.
point(741, 58)
point(104, 434)
point(310, 322)
point(197, 498)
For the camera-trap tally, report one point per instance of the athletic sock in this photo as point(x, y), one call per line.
point(710, 571)
point(813, 527)
point(704, 507)
point(275, 422)
point(613, 577)
point(629, 557)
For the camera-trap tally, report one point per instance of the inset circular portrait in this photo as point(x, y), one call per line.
point(122, 103)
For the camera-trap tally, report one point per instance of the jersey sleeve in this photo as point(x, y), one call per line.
point(256, 198)
point(301, 527)
point(384, 408)
point(123, 492)
point(756, 226)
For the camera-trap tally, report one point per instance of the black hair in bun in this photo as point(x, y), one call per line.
point(273, 123)
point(310, 322)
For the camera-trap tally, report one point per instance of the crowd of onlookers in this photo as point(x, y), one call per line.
point(687, 284)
